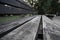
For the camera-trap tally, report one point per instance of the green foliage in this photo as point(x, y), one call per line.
point(30, 2)
point(48, 6)
point(45, 6)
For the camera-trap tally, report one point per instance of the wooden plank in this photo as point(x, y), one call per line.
point(12, 10)
point(15, 3)
point(50, 29)
point(25, 32)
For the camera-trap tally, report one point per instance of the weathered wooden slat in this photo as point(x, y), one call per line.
point(51, 31)
point(15, 3)
point(25, 32)
point(12, 10)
